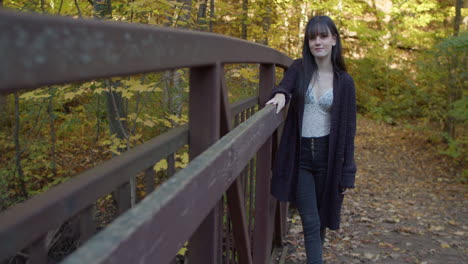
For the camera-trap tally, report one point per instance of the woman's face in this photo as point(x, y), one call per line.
point(321, 45)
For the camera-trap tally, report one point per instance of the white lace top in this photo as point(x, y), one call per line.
point(316, 120)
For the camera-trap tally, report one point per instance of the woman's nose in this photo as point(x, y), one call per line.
point(318, 41)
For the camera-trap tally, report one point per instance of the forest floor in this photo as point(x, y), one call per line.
point(408, 206)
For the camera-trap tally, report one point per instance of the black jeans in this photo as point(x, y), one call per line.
point(310, 185)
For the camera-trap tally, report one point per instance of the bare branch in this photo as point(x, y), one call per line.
point(78, 8)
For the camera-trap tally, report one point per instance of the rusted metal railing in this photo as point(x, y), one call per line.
point(227, 160)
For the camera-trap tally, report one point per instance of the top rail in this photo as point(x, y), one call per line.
point(41, 50)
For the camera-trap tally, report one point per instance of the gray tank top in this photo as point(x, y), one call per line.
point(316, 120)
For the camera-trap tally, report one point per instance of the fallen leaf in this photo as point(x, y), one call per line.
point(445, 245)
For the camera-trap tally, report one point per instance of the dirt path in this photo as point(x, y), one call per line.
point(407, 207)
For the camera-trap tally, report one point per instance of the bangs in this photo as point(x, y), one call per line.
point(318, 29)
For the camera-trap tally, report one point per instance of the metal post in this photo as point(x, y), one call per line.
point(263, 227)
point(204, 124)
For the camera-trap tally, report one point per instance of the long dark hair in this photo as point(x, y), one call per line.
point(316, 26)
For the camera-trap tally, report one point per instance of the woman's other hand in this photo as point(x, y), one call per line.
point(279, 100)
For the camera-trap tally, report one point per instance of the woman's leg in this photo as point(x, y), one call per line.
point(319, 180)
point(319, 168)
point(307, 205)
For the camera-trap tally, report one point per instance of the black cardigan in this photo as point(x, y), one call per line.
point(342, 168)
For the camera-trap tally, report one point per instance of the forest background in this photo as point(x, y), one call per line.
point(407, 57)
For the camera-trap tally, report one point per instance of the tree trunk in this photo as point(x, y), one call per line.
point(453, 94)
point(102, 9)
point(115, 113)
point(3, 110)
point(178, 90)
point(53, 137)
point(267, 21)
point(115, 102)
point(201, 18)
point(98, 118)
point(304, 9)
point(449, 124)
point(18, 151)
point(458, 17)
point(173, 89)
point(245, 17)
point(212, 15)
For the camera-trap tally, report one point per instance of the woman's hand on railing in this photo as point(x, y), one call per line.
point(279, 100)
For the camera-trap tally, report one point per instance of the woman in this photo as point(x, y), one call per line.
point(315, 161)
